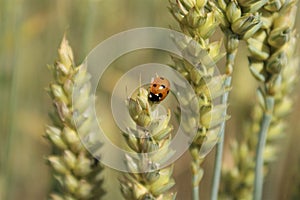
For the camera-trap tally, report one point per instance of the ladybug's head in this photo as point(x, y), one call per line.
point(154, 97)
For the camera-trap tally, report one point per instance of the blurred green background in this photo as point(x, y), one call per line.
point(30, 33)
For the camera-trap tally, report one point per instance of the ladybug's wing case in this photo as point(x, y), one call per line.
point(159, 89)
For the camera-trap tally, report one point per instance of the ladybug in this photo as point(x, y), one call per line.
point(159, 89)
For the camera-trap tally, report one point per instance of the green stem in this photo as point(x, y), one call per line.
point(196, 192)
point(5, 9)
point(196, 177)
point(230, 57)
point(219, 151)
point(89, 24)
point(12, 107)
point(259, 178)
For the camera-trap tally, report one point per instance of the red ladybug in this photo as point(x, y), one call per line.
point(159, 89)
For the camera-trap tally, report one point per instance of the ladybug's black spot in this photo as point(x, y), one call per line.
point(154, 85)
point(163, 86)
point(160, 95)
point(162, 78)
point(152, 97)
point(168, 92)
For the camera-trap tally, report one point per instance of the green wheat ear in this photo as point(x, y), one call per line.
point(273, 63)
point(74, 169)
point(199, 19)
point(150, 134)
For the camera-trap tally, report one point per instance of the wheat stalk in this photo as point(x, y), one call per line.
point(150, 134)
point(238, 21)
point(75, 170)
point(199, 19)
point(272, 63)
